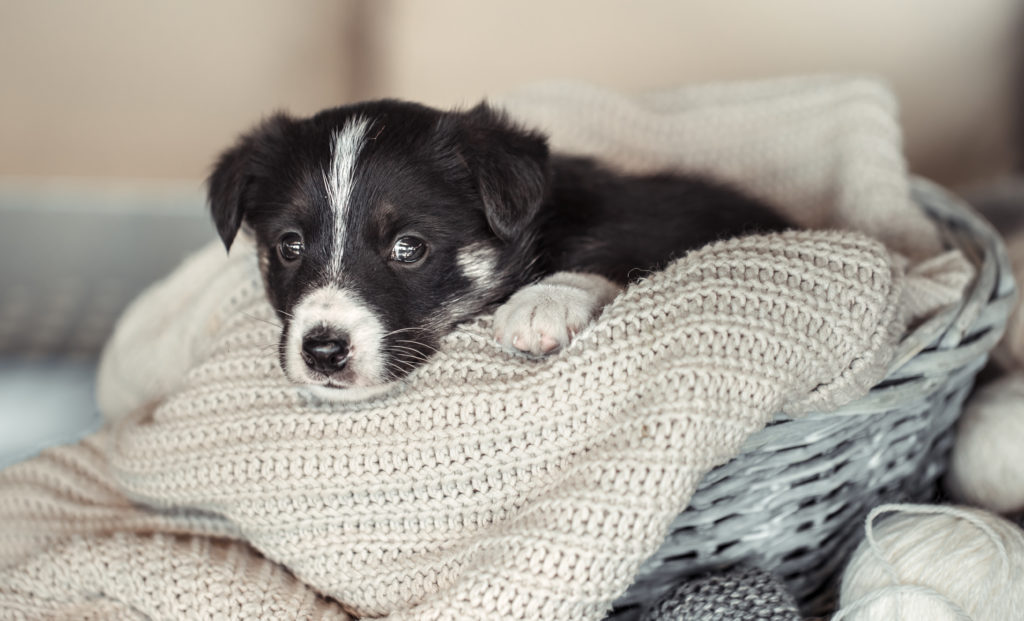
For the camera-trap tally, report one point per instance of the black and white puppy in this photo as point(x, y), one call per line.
point(382, 225)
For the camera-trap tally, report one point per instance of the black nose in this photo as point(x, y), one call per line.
point(325, 352)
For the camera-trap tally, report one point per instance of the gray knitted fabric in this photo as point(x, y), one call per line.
point(741, 594)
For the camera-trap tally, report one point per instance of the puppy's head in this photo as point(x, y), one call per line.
point(379, 226)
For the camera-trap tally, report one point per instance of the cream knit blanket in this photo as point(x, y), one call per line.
point(488, 486)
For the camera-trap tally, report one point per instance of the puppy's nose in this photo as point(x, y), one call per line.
point(325, 352)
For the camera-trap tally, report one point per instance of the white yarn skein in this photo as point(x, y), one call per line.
point(935, 563)
point(986, 468)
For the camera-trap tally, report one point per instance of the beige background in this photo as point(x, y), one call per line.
point(122, 89)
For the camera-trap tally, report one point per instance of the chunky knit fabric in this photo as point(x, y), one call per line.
point(740, 594)
point(141, 576)
point(827, 150)
point(489, 485)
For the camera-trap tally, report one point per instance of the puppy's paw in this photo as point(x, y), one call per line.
point(541, 318)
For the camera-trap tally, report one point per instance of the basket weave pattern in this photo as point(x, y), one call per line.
point(793, 501)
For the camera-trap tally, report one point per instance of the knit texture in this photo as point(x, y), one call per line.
point(128, 576)
point(825, 150)
point(488, 485)
point(740, 594)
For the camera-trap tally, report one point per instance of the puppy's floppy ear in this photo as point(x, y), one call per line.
point(511, 168)
point(234, 169)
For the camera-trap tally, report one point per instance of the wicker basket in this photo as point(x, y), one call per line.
point(794, 500)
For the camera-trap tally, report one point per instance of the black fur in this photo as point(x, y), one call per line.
point(456, 180)
point(624, 226)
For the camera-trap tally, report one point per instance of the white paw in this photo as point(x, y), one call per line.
point(544, 317)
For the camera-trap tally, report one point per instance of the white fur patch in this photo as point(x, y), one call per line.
point(345, 149)
point(344, 311)
point(544, 317)
point(324, 393)
point(478, 262)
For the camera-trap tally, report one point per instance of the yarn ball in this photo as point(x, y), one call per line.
point(935, 563)
point(986, 467)
point(740, 594)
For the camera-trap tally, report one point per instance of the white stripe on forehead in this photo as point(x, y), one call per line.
point(345, 148)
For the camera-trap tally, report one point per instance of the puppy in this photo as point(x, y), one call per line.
point(382, 225)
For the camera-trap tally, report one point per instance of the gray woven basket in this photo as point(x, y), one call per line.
point(793, 502)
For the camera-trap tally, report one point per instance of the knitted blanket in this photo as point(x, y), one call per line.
point(488, 485)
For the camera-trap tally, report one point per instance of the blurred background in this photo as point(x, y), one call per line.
point(113, 110)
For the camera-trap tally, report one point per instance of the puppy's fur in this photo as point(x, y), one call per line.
point(382, 225)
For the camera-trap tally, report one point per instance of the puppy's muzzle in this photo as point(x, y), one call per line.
point(325, 351)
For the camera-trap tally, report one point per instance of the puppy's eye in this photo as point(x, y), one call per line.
point(290, 247)
point(408, 249)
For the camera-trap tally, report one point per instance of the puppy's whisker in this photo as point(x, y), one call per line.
point(406, 365)
point(423, 353)
point(405, 354)
point(417, 344)
point(408, 355)
point(400, 330)
point(401, 364)
point(266, 321)
point(410, 361)
point(417, 348)
point(394, 370)
point(406, 348)
point(272, 346)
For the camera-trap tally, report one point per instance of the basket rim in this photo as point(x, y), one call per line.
point(976, 322)
point(993, 281)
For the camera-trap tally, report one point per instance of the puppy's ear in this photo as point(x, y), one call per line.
point(235, 169)
point(511, 168)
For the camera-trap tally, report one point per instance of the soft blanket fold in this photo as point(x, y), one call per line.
point(487, 486)
point(491, 485)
